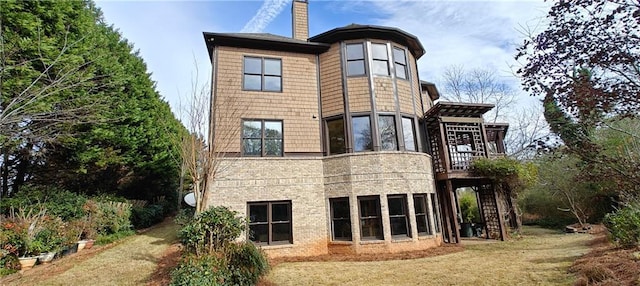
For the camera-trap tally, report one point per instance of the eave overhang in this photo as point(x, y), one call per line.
point(251, 41)
point(456, 109)
point(355, 31)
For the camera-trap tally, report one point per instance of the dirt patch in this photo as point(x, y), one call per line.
point(168, 262)
point(608, 265)
point(441, 250)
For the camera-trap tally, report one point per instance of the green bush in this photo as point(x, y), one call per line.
point(60, 203)
point(469, 207)
point(624, 225)
point(246, 264)
point(109, 238)
point(204, 270)
point(112, 217)
point(142, 217)
point(212, 230)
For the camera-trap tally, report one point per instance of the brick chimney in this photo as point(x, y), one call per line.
point(300, 19)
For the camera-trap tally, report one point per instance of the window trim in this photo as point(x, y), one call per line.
point(413, 129)
point(374, 59)
point(262, 137)
point(327, 134)
point(426, 214)
point(333, 219)
point(397, 143)
point(378, 217)
point(270, 222)
point(353, 131)
point(405, 208)
point(262, 73)
point(364, 59)
point(405, 65)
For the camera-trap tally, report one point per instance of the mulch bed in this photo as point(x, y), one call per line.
point(168, 262)
point(607, 264)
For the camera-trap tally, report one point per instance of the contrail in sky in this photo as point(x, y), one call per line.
point(269, 10)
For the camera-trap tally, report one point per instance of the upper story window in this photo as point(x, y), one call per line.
point(337, 141)
point(387, 129)
point(380, 65)
point(262, 74)
point(362, 133)
point(262, 138)
point(409, 135)
point(400, 63)
point(355, 60)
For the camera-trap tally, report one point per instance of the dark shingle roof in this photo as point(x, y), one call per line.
point(262, 41)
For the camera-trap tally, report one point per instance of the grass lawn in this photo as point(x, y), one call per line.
point(132, 261)
point(541, 257)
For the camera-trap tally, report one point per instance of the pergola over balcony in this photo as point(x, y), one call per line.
point(458, 135)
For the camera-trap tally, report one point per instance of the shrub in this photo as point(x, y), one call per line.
point(112, 217)
point(469, 207)
point(212, 230)
point(109, 238)
point(624, 225)
point(60, 203)
point(147, 216)
point(206, 270)
point(246, 264)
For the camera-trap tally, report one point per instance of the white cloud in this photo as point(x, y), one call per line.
point(472, 34)
point(269, 10)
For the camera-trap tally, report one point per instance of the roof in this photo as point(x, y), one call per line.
point(262, 41)
point(456, 109)
point(431, 89)
point(356, 31)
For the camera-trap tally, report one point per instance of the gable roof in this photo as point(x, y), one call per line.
point(262, 41)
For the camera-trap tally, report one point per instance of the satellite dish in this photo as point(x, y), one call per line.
point(190, 199)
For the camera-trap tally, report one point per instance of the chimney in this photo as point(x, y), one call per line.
point(300, 19)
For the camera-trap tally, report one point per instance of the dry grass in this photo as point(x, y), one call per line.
point(132, 261)
point(608, 265)
point(541, 257)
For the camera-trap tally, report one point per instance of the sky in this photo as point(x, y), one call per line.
point(472, 34)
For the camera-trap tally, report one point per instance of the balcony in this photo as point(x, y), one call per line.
point(458, 135)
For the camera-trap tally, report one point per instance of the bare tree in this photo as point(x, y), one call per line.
point(203, 150)
point(528, 133)
point(478, 86)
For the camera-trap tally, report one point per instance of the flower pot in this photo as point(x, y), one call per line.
point(27, 262)
point(81, 244)
point(69, 250)
point(89, 244)
point(46, 257)
point(466, 229)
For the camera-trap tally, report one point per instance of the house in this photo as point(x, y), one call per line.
point(326, 141)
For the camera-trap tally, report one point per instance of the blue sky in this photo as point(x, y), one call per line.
point(475, 34)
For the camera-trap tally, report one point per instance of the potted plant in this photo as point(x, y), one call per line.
point(469, 213)
point(27, 225)
point(89, 231)
point(71, 236)
point(49, 239)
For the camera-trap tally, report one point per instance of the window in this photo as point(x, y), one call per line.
point(422, 214)
point(380, 59)
point(262, 138)
point(355, 60)
point(409, 135)
point(262, 74)
point(387, 126)
point(400, 63)
point(362, 134)
point(399, 216)
point(335, 128)
point(340, 219)
point(436, 211)
point(270, 222)
point(370, 219)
